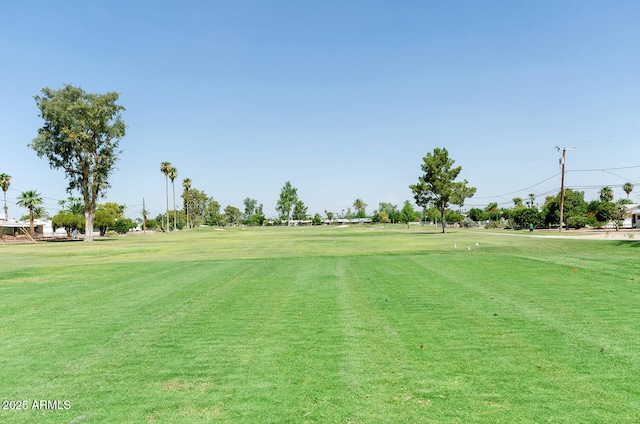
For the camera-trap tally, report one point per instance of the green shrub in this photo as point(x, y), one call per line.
point(493, 225)
point(576, 222)
point(123, 225)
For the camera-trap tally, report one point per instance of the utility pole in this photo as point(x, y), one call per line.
point(144, 218)
point(562, 161)
point(564, 155)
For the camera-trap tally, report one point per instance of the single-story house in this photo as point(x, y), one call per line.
point(633, 220)
point(15, 229)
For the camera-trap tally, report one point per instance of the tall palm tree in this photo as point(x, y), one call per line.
point(165, 168)
point(532, 198)
point(5, 182)
point(30, 199)
point(173, 173)
point(186, 183)
point(360, 207)
point(627, 187)
point(606, 194)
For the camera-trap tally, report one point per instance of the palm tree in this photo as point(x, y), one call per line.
point(29, 199)
point(627, 187)
point(186, 183)
point(517, 202)
point(165, 168)
point(532, 198)
point(173, 173)
point(39, 212)
point(360, 207)
point(329, 216)
point(5, 182)
point(606, 194)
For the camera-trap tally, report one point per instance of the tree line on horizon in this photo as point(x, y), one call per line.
point(82, 132)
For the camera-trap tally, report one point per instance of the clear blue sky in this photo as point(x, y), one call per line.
point(342, 98)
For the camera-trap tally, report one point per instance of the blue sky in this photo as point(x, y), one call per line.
point(342, 98)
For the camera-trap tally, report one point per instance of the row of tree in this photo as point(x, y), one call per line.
point(81, 136)
point(578, 213)
point(109, 216)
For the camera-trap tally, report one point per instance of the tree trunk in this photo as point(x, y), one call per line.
point(31, 221)
point(444, 221)
point(88, 225)
point(167, 210)
point(175, 217)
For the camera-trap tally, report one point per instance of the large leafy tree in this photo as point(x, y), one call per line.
point(197, 201)
point(67, 220)
point(462, 192)
point(258, 217)
point(524, 216)
point(114, 209)
point(287, 200)
point(30, 199)
point(253, 212)
point(390, 209)
point(81, 135)
point(300, 211)
point(574, 207)
point(249, 209)
point(232, 215)
point(605, 211)
point(407, 213)
point(477, 214)
point(212, 213)
point(5, 182)
point(438, 184)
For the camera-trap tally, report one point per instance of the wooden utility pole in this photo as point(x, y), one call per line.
point(564, 155)
point(562, 161)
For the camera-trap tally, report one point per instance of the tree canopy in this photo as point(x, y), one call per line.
point(438, 184)
point(407, 214)
point(287, 200)
point(5, 183)
point(81, 135)
point(360, 207)
point(300, 211)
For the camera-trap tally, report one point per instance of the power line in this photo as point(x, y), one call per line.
point(521, 190)
point(604, 169)
point(584, 143)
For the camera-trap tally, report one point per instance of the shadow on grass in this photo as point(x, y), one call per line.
point(628, 243)
point(68, 240)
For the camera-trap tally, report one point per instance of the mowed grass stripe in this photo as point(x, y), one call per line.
point(103, 329)
point(506, 349)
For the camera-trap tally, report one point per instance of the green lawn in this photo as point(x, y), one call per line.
point(352, 325)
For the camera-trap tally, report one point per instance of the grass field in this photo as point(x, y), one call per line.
point(353, 325)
